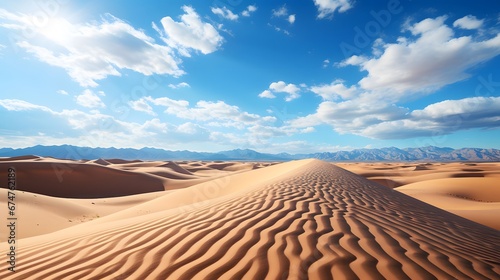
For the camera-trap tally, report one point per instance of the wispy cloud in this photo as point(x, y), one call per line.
point(224, 13)
point(95, 129)
point(21, 105)
point(249, 10)
point(179, 85)
point(62, 92)
point(283, 13)
point(327, 8)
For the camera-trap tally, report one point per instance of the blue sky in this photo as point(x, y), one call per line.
point(274, 76)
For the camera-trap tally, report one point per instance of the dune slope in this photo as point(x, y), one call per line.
point(79, 180)
point(470, 190)
point(476, 199)
point(315, 221)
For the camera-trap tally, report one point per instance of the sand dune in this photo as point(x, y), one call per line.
point(477, 199)
point(40, 214)
point(470, 190)
point(32, 157)
point(296, 220)
point(398, 174)
point(79, 180)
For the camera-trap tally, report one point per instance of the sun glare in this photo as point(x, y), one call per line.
point(58, 30)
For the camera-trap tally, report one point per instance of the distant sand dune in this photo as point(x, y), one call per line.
point(308, 219)
point(32, 157)
point(80, 180)
point(477, 199)
point(471, 190)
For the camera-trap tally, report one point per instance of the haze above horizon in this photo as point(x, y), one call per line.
point(296, 77)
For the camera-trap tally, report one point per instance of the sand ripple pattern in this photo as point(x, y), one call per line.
point(321, 222)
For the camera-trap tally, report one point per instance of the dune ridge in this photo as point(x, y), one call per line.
point(316, 221)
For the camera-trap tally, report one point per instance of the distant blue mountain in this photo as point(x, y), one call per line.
point(429, 153)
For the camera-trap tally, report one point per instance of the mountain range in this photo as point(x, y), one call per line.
point(429, 153)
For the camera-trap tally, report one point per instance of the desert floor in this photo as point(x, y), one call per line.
point(116, 219)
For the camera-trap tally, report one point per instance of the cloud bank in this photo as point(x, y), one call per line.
point(411, 67)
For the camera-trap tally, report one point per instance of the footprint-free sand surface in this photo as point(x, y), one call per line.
point(304, 219)
point(470, 190)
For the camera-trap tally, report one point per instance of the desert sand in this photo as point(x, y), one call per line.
point(470, 190)
point(303, 219)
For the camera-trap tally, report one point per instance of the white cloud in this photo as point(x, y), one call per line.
point(279, 29)
point(308, 129)
point(326, 62)
point(385, 121)
point(281, 12)
point(442, 118)
point(95, 129)
point(281, 87)
point(326, 8)
point(92, 51)
point(468, 22)
point(354, 60)
point(94, 121)
point(475, 107)
point(208, 110)
point(90, 100)
point(63, 92)
point(192, 129)
point(400, 71)
point(155, 125)
point(334, 91)
point(179, 85)
point(229, 138)
point(191, 33)
point(141, 105)
point(249, 10)
point(225, 13)
point(306, 121)
point(173, 106)
point(434, 59)
point(267, 132)
point(351, 116)
point(217, 113)
point(291, 89)
point(21, 105)
point(267, 94)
